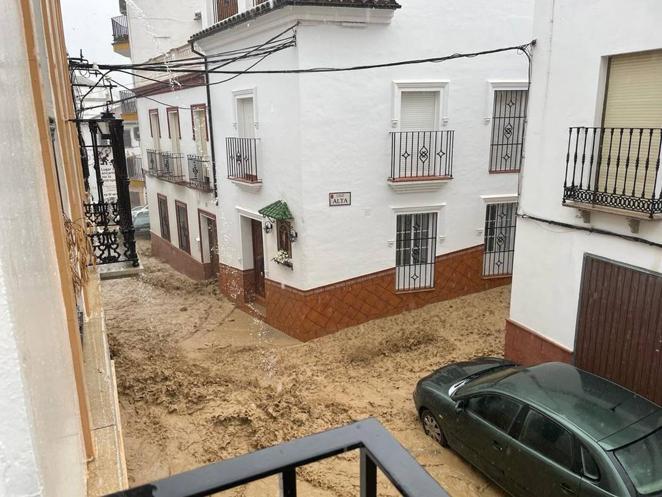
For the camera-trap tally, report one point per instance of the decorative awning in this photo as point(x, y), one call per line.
point(278, 211)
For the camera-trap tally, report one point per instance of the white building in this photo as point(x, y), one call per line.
point(390, 176)
point(587, 283)
point(171, 113)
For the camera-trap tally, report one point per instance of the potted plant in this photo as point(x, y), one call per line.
point(283, 258)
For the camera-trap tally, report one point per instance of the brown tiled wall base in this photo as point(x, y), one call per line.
point(310, 314)
point(527, 347)
point(235, 284)
point(180, 260)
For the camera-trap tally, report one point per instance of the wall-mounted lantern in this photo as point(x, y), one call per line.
point(293, 235)
point(268, 227)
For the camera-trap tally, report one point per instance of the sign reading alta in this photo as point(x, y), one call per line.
point(338, 199)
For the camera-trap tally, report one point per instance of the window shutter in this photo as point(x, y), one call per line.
point(418, 110)
point(634, 100)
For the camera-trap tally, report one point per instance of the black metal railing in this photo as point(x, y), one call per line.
point(377, 447)
point(198, 172)
point(170, 167)
point(614, 167)
point(128, 99)
point(242, 159)
point(153, 161)
point(120, 28)
point(421, 155)
point(134, 167)
point(102, 213)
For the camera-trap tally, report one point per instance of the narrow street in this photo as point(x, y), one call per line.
point(200, 381)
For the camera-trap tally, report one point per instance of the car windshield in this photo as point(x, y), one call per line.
point(642, 462)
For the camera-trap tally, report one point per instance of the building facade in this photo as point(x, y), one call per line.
point(348, 196)
point(587, 276)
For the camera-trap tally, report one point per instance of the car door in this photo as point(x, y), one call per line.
point(544, 461)
point(483, 427)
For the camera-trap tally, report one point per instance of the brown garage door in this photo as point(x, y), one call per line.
point(619, 327)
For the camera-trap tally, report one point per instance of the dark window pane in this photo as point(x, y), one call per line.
point(495, 409)
point(589, 466)
point(547, 438)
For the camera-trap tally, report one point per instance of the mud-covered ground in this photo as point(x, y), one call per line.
point(200, 381)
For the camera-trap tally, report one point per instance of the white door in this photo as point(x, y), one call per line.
point(245, 117)
point(418, 110)
point(200, 130)
point(156, 130)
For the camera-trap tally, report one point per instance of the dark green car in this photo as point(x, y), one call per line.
point(548, 430)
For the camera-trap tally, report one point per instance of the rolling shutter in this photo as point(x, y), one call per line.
point(418, 110)
point(634, 101)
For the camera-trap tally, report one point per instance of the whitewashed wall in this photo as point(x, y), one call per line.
point(194, 199)
point(156, 26)
point(322, 133)
point(568, 88)
point(41, 447)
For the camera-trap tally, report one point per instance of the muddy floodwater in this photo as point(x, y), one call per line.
point(200, 381)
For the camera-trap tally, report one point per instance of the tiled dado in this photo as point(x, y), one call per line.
point(180, 260)
point(527, 347)
point(310, 314)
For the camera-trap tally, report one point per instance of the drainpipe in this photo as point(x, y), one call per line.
point(211, 121)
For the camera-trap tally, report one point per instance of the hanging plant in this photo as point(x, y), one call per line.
point(283, 258)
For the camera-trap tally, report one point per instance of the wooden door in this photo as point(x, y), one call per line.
point(258, 257)
point(619, 325)
point(212, 240)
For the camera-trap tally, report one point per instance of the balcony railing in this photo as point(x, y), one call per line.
point(170, 167)
point(128, 99)
point(615, 168)
point(153, 161)
point(120, 29)
point(134, 167)
point(242, 159)
point(198, 172)
point(377, 447)
point(421, 155)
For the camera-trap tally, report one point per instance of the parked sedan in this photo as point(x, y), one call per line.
point(140, 217)
point(547, 430)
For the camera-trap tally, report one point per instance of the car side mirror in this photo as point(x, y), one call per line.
point(460, 405)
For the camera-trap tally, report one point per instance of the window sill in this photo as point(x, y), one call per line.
point(286, 264)
point(506, 171)
point(613, 210)
point(418, 290)
point(247, 184)
point(418, 184)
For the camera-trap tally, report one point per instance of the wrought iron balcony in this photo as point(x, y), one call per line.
point(134, 167)
point(120, 29)
point(153, 161)
point(377, 447)
point(128, 99)
point(242, 159)
point(614, 169)
point(170, 167)
point(199, 172)
point(421, 155)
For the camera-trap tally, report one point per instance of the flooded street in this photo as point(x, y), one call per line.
point(200, 381)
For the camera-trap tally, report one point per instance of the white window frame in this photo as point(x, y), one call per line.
point(244, 93)
point(493, 86)
point(438, 86)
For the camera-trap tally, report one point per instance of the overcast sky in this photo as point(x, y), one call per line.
point(87, 27)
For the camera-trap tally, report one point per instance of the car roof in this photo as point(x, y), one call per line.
point(592, 404)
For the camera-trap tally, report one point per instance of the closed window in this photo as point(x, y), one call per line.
point(415, 251)
point(508, 126)
point(589, 466)
point(548, 438)
point(499, 243)
point(164, 221)
point(418, 110)
point(495, 409)
point(182, 227)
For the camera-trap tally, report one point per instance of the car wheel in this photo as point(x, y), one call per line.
point(432, 428)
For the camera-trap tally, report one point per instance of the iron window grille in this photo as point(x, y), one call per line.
point(153, 161)
point(134, 165)
point(614, 167)
point(181, 213)
point(508, 128)
point(419, 155)
point(198, 172)
point(128, 99)
point(415, 252)
point(164, 220)
point(499, 245)
point(242, 159)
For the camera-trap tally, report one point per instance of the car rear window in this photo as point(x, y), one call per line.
point(642, 462)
